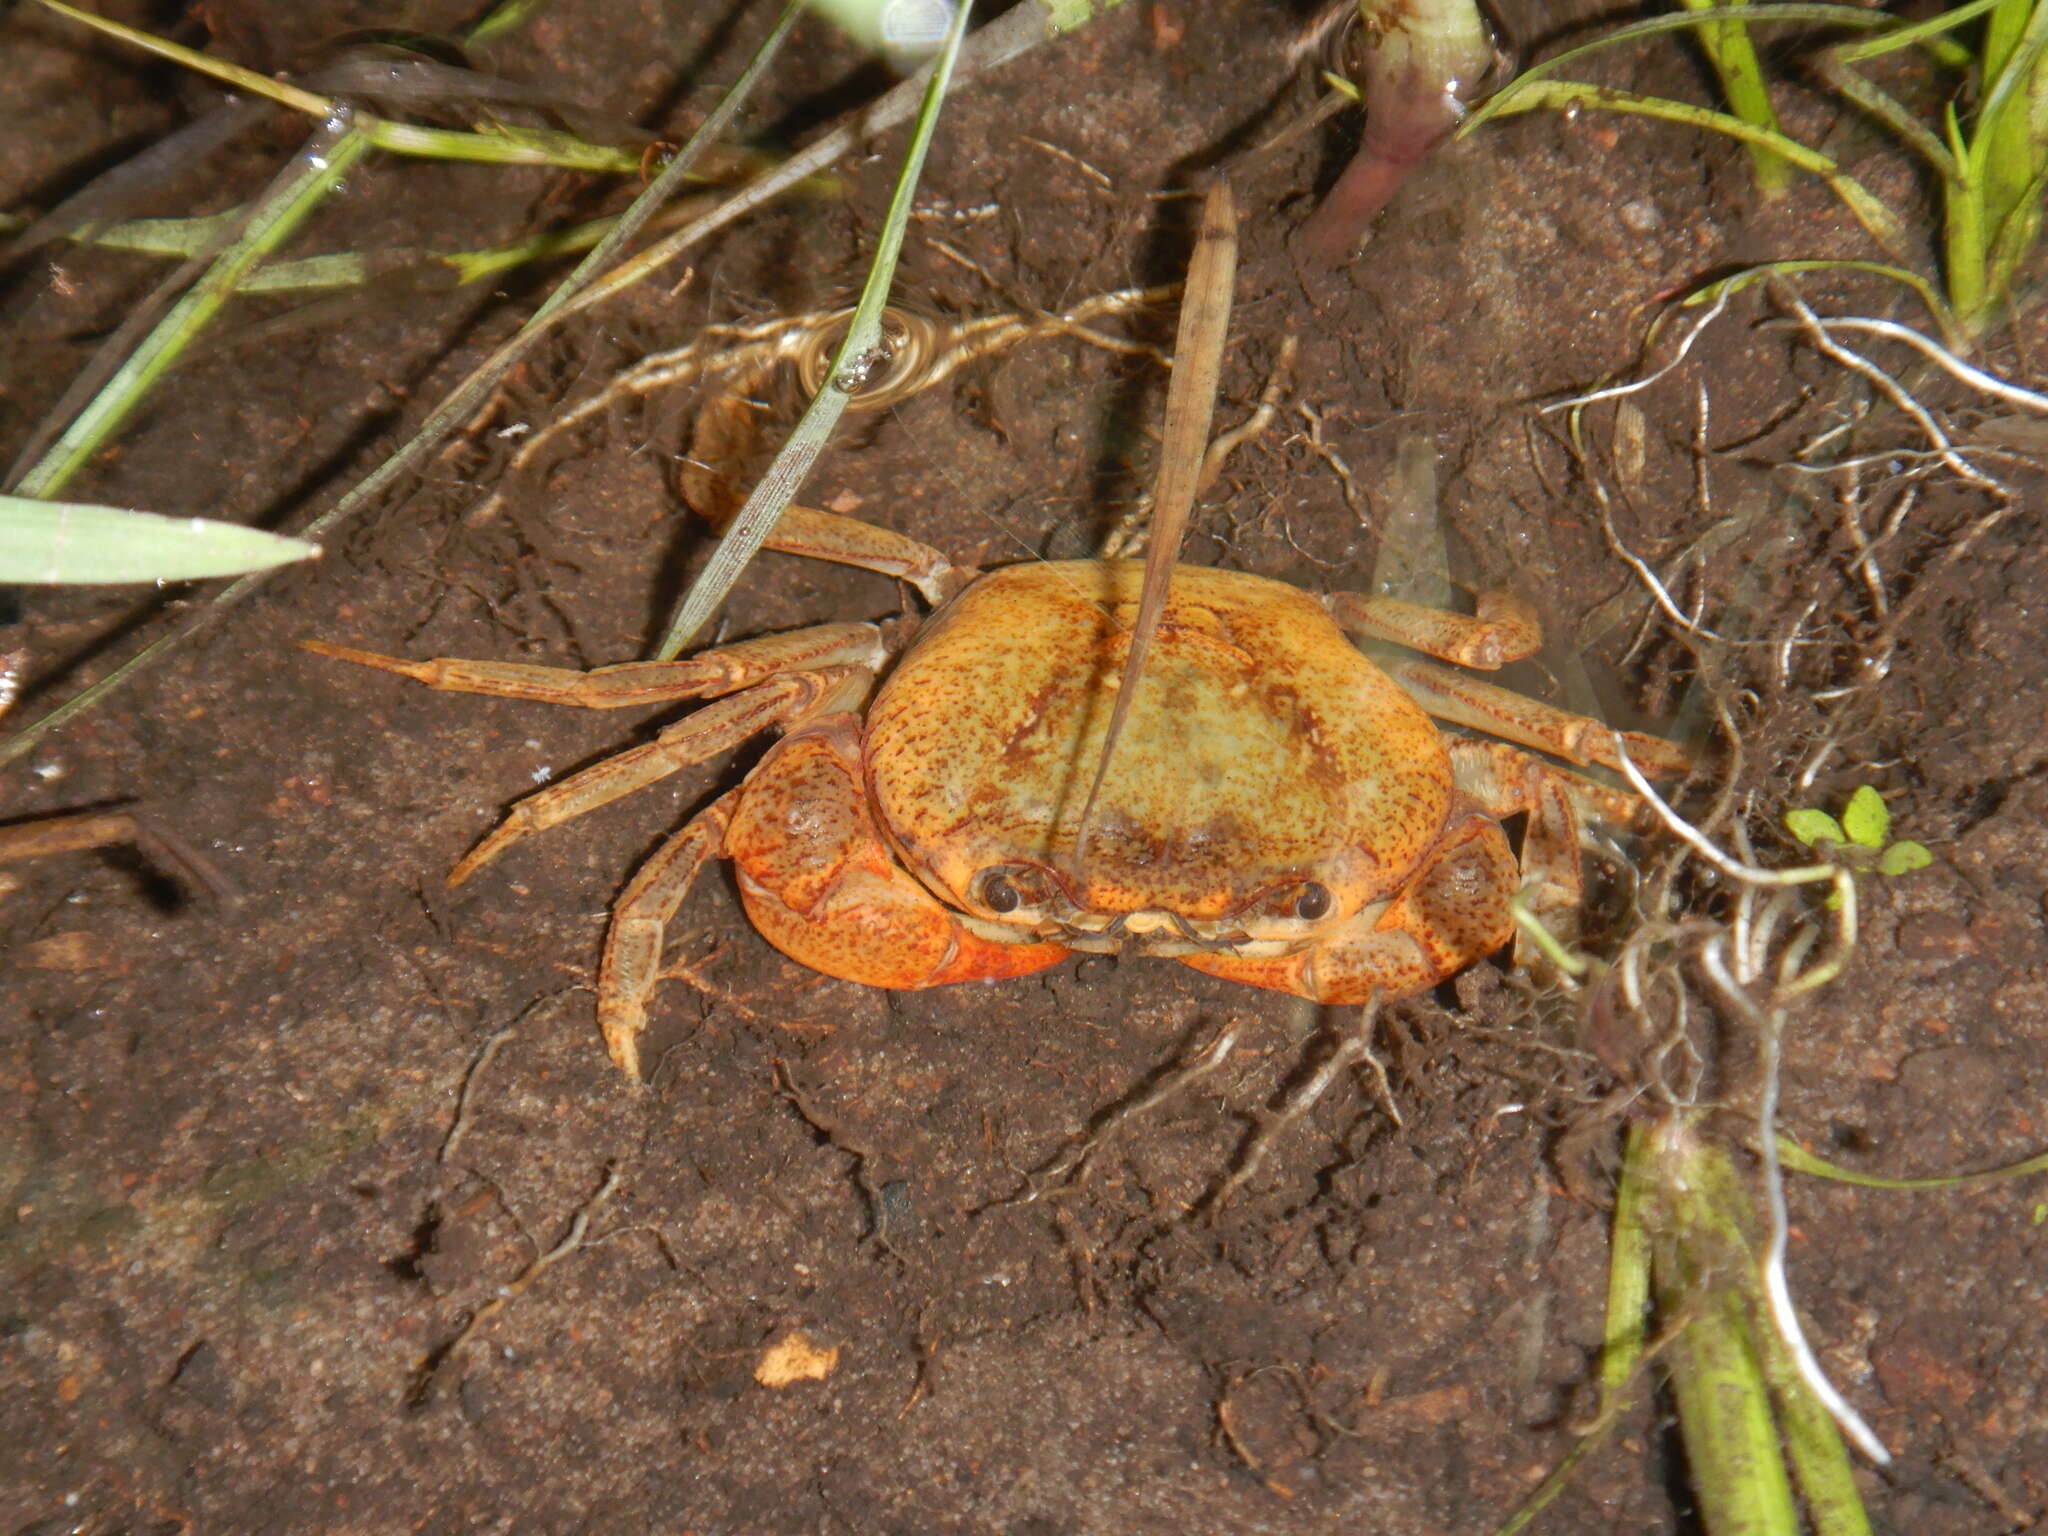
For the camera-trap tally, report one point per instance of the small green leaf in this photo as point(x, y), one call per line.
point(1901, 858)
point(1866, 818)
point(1811, 826)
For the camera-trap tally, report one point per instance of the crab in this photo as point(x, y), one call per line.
point(1281, 810)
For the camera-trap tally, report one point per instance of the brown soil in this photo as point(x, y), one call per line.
point(241, 1235)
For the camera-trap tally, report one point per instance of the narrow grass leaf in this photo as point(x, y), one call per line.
point(1735, 282)
point(1704, 1272)
point(1559, 95)
point(1798, 1158)
point(292, 196)
point(243, 79)
point(499, 144)
point(1727, 45)
point(778, 487)
point(1501, 103)
point(1190, 406)
point(1820, 1459)
point(74, 543)
point(505, 19)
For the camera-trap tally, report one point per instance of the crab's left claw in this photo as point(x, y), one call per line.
point(823, 887)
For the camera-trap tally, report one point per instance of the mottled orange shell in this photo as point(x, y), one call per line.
point(1262, 748)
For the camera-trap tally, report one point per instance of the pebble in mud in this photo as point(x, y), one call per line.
point(1641, 216)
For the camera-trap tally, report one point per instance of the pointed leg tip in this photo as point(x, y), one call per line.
point(361, 658)
point(621, 1030)
point(329, 648)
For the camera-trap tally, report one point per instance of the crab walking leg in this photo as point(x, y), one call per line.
point(1506, 781)
point(1504, 629)
point(1496, 774)
point(1501, 712)
point(711, 730)
point(849, 541)
point(631, 967)
point(708, 673)
point(817, 880)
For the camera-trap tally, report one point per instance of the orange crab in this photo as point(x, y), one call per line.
point(1280, 810)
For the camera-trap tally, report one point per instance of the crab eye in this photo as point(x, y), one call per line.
point(997, 894)
point(1313, 901)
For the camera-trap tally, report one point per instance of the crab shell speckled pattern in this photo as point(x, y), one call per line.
point(1262, 749)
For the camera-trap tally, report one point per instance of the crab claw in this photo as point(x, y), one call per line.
point(822, 886)
point(1453, 912)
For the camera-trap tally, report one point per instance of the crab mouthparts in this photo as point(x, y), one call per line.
point(1151, 931)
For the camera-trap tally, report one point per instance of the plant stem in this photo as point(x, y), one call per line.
point(1727, 45)
point(1418, 55)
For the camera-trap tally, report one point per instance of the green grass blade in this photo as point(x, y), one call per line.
point(778, 487)
point(1798, 1158)
point(498, 144)
point(1735, 282)
point(1503, 103)
point(1560, 95)
point(292, 196)
point(1724, 1417)
point(1820, 1459)
point(2016, 236)
point(507, 18)
point(242, 79)
point(2009, 132)
point(1727, 45)
point(343, 269)
point(1704, 1273)
point(501, 144)
point(1628, 1273)
point(68, 542)
point(1926, 32)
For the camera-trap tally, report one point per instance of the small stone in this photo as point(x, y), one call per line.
point(1641, 215)
point(793, 1358)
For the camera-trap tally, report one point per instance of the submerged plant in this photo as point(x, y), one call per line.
point(1696, 1245)
point(1860, 841)
point(235, 256)
point(1421, 60)
point(1986, 144)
